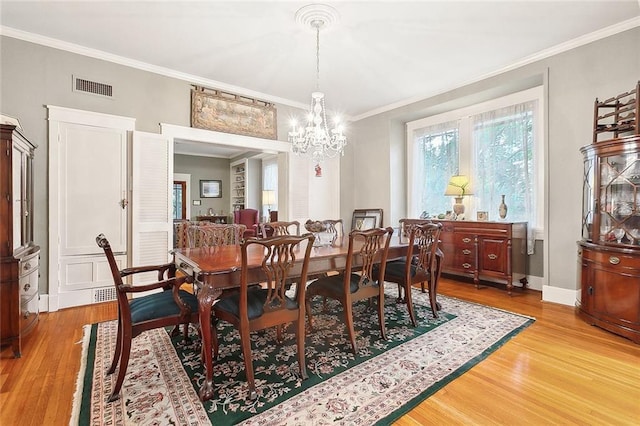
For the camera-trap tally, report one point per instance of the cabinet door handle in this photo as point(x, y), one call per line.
point(27, 286)
point(492, 256)
point(590, 290)
point(466, 251)
point(614, 260)
point(466, 240)
point(466, 265)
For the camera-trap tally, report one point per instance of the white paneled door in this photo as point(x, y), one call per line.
point(88, 195)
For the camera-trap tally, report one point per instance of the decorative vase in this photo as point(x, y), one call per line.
point(502, 209)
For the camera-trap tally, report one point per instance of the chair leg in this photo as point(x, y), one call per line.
point(348, 316)
point(307, 303)
point(300, 334)
point(383, 329)
point(409, 300)
point(124, 362)
point(399, 299)
point(432, 298)
point(245, 341)
point(422, 286)
point(118, 350)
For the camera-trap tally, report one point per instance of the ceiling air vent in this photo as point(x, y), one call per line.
point(93, 87)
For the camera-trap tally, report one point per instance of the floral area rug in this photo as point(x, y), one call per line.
point(385, 380)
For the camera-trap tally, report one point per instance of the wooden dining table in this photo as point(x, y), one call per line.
point(216, 269)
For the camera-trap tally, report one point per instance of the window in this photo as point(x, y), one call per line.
point(270, 183)
point(498, 144)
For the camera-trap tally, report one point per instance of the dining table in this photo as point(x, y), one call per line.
point(217, 269)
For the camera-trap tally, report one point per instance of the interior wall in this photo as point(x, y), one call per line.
point(576, 77)
point(33, 76)
point(205, 168)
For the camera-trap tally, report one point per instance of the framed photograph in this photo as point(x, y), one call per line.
point(366, 219)
point(210, 189)
point(196, 202)
point(229, 113)
point(482, 216)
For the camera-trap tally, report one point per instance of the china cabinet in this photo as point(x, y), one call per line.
point(19, 256)
point(238, 185)
point(609, 252)
point(246, 184)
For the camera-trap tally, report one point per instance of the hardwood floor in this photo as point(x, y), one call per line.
point(560, 370)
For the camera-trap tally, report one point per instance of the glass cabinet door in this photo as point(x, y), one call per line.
point(620, 199)
point(588, 200)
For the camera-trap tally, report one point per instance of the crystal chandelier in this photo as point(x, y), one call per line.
point(315, 139)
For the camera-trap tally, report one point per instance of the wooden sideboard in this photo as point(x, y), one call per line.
point(214, 218)
point(491, 251)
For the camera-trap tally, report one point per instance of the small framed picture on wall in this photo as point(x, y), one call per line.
point(210, 189)
point(483, 216)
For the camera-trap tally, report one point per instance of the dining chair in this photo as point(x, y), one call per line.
point(270, 229)
point(366, 249)
point(258, 307)
point(171, 306)
point(213, 234)
point(419, 264)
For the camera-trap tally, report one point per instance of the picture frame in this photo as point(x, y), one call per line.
point(210, 189)
point(366, 219)
point(482, 216)
point(196, 202)
point(229, 113)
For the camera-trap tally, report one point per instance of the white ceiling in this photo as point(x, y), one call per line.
point(379, 55)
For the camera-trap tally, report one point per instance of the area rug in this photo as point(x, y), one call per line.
point(386, 379)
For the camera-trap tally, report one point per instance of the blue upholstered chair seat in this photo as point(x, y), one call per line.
point(395, 268)
point(333, 285)
point(158, 305)
point(256, 298)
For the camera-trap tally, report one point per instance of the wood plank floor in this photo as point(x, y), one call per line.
point(558, 371)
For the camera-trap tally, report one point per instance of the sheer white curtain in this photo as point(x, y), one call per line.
point(270, 182)
point(504, 163)
point(435, 160)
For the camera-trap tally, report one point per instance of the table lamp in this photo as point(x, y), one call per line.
point(458, 187)
point(268, 199)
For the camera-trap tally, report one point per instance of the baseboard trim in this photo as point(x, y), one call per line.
point(563, 296)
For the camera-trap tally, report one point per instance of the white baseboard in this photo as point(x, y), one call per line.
point(43, 304)
point(563, 296)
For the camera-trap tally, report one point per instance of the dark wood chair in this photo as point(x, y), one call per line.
point(420, 264)
point(212, 235)
point(171, 306)
point(357, 282)
point(258, 307)
point(272, 229)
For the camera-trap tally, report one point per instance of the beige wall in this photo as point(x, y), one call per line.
point(32, 76)
point(205, 168)
point(572, 79)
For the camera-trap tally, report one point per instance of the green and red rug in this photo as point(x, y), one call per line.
point(385, 381)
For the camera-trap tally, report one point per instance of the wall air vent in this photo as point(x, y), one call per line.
point(93, 87)
point(105, 294)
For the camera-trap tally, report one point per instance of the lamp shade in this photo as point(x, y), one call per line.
point(268, 197)
point(458, 186)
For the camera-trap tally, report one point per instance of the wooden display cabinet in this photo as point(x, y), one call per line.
point(19, 257)
point(609, 252)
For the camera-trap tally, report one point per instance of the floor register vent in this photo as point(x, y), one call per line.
point(93, 87)
point(104, 294)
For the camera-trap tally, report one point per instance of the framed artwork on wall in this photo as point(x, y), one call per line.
point(210, 189)
point(366, 219)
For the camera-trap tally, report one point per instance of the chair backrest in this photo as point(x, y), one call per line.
point(103, 243)
point(280, 228)
point(279, 260)
point(247, 217)
point(423, 245)
point(366, 249)
point(211, 235)
point(406, 225)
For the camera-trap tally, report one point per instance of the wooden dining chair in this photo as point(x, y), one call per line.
point(212, 235)
point(271, 229)
point(419, 265)
point(258, 307)
point(357, 282)
point(170, 307)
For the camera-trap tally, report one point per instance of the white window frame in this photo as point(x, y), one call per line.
point(465, 148)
